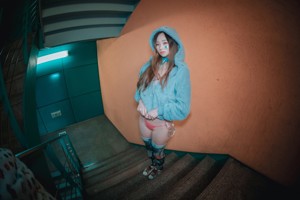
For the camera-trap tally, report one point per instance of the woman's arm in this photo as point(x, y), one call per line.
point(179, 108)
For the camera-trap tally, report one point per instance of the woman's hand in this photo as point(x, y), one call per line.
point(141, 108)
point(153, 114)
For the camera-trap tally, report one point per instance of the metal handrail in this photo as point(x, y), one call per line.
point(40, 146)
point(71, 173)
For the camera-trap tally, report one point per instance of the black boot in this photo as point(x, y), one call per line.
point(158, 167)
point(149, 148)
point(158, 161)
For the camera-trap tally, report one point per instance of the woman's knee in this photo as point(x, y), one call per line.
point(160, 137)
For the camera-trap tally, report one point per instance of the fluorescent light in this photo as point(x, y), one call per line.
point(53, 56)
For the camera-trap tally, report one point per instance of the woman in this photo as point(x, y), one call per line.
point(163, 95)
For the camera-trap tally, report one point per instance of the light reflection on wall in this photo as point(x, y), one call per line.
point(54, 76)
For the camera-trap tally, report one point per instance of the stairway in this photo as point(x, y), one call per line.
point(67, 21)
point(184, 177)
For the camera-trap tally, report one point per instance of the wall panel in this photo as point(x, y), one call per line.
point(70, 86)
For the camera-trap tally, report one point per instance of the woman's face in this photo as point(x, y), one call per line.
point(162, 45)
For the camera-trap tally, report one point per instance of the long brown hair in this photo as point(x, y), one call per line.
point(152, 71)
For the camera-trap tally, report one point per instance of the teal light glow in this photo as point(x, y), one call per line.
point(53, 56)
point(54, 76)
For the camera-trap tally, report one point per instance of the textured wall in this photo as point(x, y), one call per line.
point(244, 63)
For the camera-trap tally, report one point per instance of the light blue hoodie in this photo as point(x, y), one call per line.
point(172, 101)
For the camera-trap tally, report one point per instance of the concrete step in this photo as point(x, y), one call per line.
point(112, 179)
point(191, 185)
point(111, 168)
point(124, 187)
point(91, 170)
point(184, 177)
point(163, 183)
point(237, 181)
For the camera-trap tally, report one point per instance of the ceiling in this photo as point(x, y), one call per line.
point(66, 21)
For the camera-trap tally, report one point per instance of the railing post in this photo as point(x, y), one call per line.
point(71, 169)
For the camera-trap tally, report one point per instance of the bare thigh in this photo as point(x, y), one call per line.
point(159, 134)
point(145, 132)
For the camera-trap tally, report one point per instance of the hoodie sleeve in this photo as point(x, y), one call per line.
point(179, 108)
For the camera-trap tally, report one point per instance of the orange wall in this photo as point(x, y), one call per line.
point(244, 62)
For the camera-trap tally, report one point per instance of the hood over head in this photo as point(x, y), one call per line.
point(179, 56)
